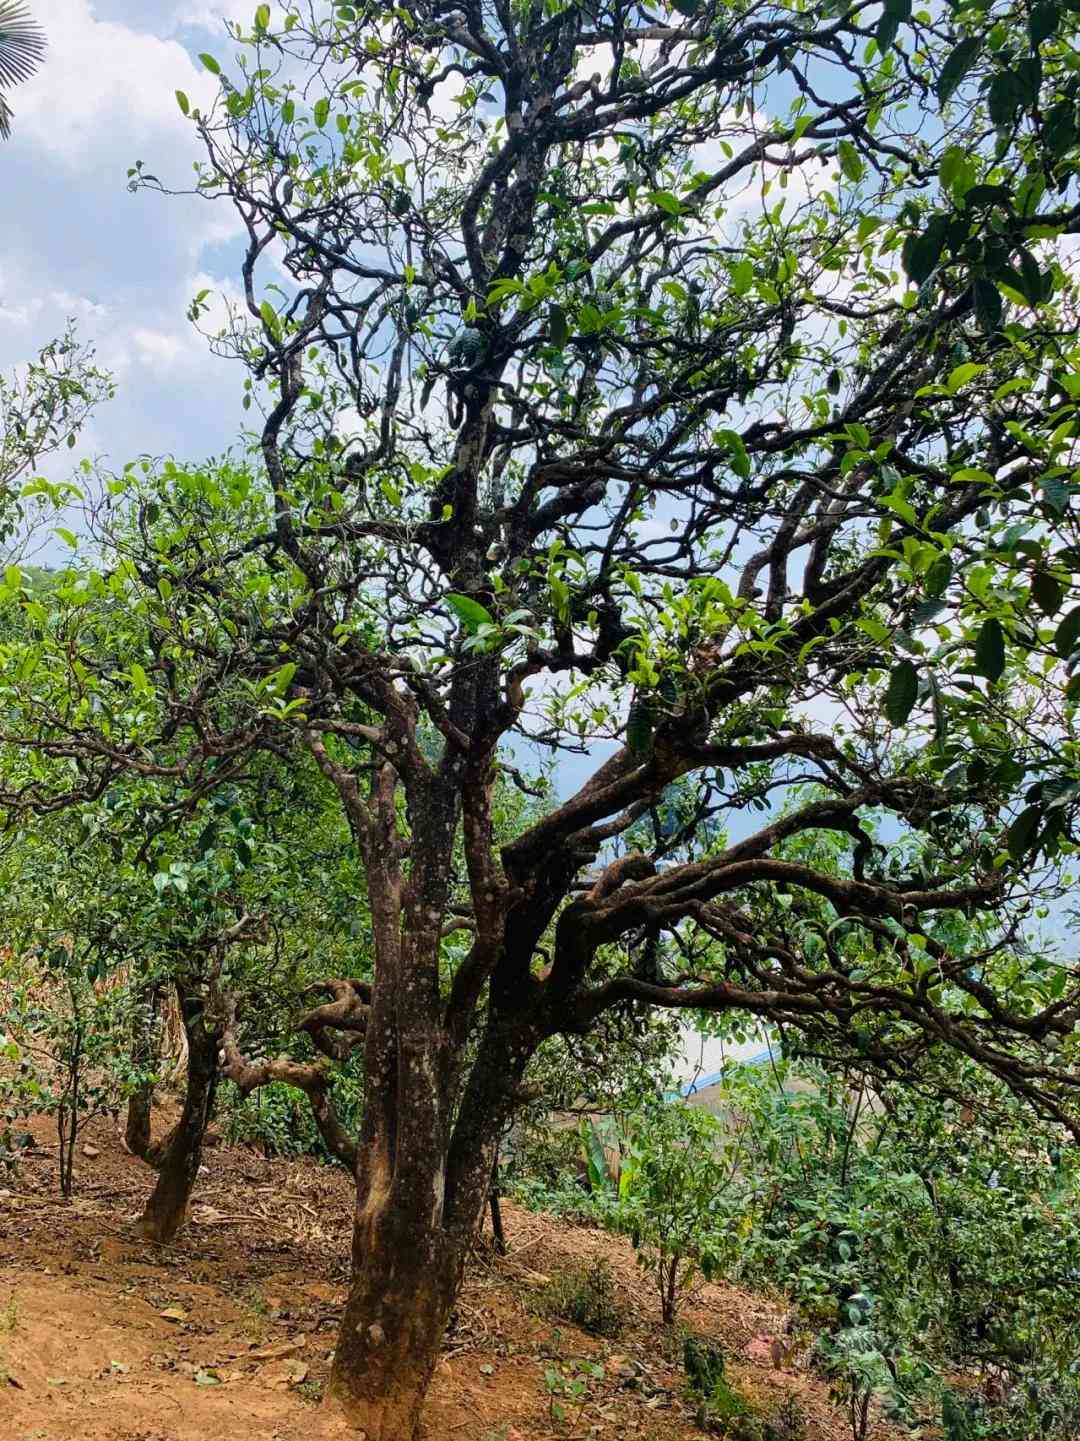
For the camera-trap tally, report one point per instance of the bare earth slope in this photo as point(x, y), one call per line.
point(104, 1337)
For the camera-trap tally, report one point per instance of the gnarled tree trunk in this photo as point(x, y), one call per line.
point(432, 1119)
point(402, 1291)
point(137, 1123)
point(137, 1129)
point(410, 1243)
point(421, 1192)
point(178, 1157)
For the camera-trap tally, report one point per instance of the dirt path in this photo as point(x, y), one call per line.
point(228, 1334)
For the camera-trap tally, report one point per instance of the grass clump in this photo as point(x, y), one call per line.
point(586, 1296)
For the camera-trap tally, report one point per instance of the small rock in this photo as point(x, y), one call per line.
point(91, 1152)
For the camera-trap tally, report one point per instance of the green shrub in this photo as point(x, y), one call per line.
point(585, 1295)
point(674, 1200)
point(703, 1361)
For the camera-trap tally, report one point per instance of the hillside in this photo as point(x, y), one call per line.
point(104, 1337)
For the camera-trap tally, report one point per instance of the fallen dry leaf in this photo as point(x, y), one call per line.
point(278, 1350)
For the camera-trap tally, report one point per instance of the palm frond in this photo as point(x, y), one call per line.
point(5, 120)
point(22, 44)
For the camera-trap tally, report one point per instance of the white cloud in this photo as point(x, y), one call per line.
point(104, 84)
point(213, 15)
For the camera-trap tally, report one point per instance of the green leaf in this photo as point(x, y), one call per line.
point(962, 374)
point(595, 1159)
point(1027, 79)
point(1043, 22)
point(1031, 281)
point(283, 678)
point(990, 650)
point(1004, 96)
point(262, 18)
point(639, 726)
point(850, 160)
point(938, 576)
point(1046, 592)
point(742, 276)
point(1060, 128)
point(1068, 634)
point(182, 101)
point(1021, 834)
point(902, 693)
point(68, 536)
point(922, 252)
point(957, 65)
point(980, 195)
point(1055, 493)
point(740, 459)
point(888, 27)
point(270, 319)
point(926, 611)
point(989, 305)
point(665, 200)
point(322, 111)
point(893, 15)
point(558, 328)
point(470, 612)
point(211, 64)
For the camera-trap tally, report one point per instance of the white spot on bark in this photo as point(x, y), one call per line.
point(438, 1196)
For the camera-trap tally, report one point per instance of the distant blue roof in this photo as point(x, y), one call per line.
point(702, 1083)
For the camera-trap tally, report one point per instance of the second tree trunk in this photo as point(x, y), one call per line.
point(179, 1157)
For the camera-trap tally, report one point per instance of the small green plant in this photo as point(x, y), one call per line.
point(570, 1389)
point(703, 1361)
point(9, 1315)
point(310, 1391)
point(586, 1296)
point(958, 1420)
point(722, 1410)
point(859, 1373)
point(674, 1201)
point(728, 1414)
point(256, 1312)
point(788, 1422)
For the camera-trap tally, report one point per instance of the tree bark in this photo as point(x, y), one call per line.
point(144, 1050)
point(399, 1301)
point(137, 1124)
point(497, 1231)
point(179, 1157)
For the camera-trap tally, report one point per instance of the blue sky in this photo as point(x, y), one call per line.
point(75, 242)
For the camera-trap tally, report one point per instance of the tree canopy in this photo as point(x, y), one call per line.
point(688, 387)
